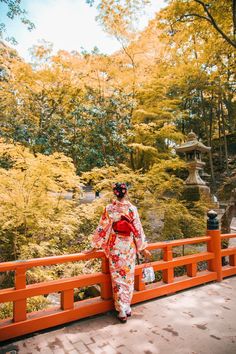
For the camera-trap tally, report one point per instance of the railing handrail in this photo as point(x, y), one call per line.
point(45, 261)
point(69, 310)
point(180, 242)
point(76, 257)
point(82, 280)
point(48, 287)
point(224, 236)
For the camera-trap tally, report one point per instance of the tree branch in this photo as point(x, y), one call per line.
point(234, 18)
point(194, 15)
point(214, 24)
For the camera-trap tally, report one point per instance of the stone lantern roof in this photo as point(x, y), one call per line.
point(192, 144)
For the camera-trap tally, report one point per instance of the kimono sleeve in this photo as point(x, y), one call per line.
point(140, 237)
point(101, 236)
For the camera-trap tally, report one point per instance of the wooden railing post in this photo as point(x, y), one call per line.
point(106, 288)
point(232, 260)
point(19, 306)
point(67, 299)
point(139, 284)
point(214, 245)
point(168, 274)
point(191, 269)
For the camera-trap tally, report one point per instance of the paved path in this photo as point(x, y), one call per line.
point(201, 320)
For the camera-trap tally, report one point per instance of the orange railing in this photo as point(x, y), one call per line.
point(23, 323)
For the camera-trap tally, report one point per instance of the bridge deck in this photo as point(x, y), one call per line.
point(197, 321)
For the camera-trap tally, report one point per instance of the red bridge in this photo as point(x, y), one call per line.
point(23, 323)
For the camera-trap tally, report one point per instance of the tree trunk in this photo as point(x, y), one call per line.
point(234, 17)
point(208, 138)
point(226, 220)
point(230, 111)
point(132, 160)
point(225, 138)
point(219, 135)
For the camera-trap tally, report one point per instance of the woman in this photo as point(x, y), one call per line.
point(120, 235)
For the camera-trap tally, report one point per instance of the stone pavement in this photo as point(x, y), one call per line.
point(201, 320)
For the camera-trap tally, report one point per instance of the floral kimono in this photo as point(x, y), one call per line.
point(120, 249)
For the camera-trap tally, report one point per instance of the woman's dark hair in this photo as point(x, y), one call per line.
point(120, 189)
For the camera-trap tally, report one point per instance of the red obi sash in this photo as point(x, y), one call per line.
point(125, 226)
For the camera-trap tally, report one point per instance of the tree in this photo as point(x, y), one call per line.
point(32, 207)
point(198, 73)
point(68, 103)
point(118, 17)
point(13, 10)
point(193, 11)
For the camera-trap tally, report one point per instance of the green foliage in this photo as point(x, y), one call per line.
point(103, 178)
point(163, 180)
point(180, 221)
point(225, 191)
point(32, 207)
point(14, 9)
point(208, 16)
point(119, 17)
point(48, 108)
point(156, 194)
point(102, 126)
point(35, 303)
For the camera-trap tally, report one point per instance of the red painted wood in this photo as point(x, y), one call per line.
point(214, 246)
point(228, 251)
point(225, 236)
point(46, 319)
point(19, 307)
point(228, 271)
point(232, 260)
point(67, 299)
point(70, 311)
point(191, 269)
point(54, 286)
point(168, 274)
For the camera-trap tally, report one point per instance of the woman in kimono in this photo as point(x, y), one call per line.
point(120, 235)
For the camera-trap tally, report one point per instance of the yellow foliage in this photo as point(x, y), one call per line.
point(32, 205)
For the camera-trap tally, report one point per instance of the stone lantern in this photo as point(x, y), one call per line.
point(195, 187)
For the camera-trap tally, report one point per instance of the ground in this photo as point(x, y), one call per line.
point(196, 321)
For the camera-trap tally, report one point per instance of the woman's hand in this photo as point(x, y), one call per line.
point(146, 254)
